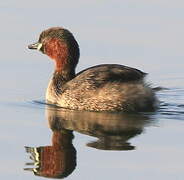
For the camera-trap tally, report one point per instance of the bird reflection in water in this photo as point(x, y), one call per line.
point(56, 161)
point(112, 130)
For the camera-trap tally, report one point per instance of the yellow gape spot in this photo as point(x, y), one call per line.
point(39, 46)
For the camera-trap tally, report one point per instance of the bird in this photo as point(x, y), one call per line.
point(104, 87)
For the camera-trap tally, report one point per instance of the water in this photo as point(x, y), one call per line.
point(145, 35)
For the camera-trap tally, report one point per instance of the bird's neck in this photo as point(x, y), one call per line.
point(64, 75)
point(60, 78)
point(65, 61)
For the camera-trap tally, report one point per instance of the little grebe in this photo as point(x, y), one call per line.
point(107, 87)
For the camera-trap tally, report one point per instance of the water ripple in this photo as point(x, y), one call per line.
point(171, 103)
